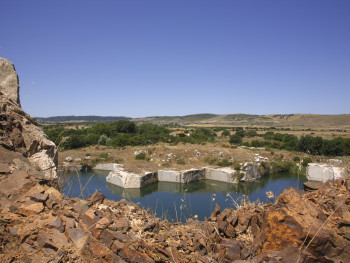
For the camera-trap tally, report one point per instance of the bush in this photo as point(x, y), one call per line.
point(281, 166)
point(140, 156)
point(236, 166)
point(103, 155)
point(251, 133)
point(225, 133)
point(240, 133)
point(296, 159)
point(306, 161)
point(264, 168)
point(235, 139)
point(240, 176)
point(224, 163)
point(211, 161)
point(102, 140)
point(74, 141)
point(256, 143)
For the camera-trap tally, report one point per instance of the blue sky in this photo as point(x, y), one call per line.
point(161, 57)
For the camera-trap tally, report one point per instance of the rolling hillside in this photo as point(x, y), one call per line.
point(207, 119)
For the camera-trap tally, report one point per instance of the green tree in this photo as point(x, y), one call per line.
point(235, 139)
point(74, 141)
point(240, 133)
point(316, 145)
point(124, 126)
point(91, 139)
point(101, 128)
point(269, 135)
point(225, 133)
point(305, 144)
point(251, 133)
point(103, 139)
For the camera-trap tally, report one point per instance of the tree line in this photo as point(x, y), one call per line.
point(122, 133)
point(308, 144)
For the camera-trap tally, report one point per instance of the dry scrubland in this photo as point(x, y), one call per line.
point(187, 156)
point(180, 156)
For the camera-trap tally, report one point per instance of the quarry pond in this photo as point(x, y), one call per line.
point(177, 202)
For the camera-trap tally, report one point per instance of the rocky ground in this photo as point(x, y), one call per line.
point(40, 224)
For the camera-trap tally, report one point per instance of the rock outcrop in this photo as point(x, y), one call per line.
point(324, 172)
point(9, 84)
point(18, 130)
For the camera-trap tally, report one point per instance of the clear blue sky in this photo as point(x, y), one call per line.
point(162, 57)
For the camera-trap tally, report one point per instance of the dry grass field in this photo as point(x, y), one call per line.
point(179, 157)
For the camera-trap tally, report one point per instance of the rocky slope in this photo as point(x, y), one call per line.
point(39, 224)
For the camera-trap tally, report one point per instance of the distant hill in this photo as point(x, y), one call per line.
point(207, 119)
point(81, 119)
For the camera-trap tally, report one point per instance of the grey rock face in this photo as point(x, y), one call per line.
point(18, 130)
point(9, 84)
point(251, 173)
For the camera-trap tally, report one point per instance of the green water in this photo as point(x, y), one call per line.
point(177, 202)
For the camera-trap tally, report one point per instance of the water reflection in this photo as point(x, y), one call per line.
point(204, 186)
point(177, 202)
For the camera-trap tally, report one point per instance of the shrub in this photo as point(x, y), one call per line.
point(306, 161)
point(296, 159)
point(102, 140)
point(240, 176)
point(235, 139)
point(264, 168)
point(240, 133)
point(281, 166)
point(103, 155)
point(224, 163)
point(236, 166)
point(211, 161)
point(225, 133)
point(251, 133)
point(140, 156)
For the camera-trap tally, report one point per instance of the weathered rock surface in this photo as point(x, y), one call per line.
point(227, 175)
point(169, 176)
point(324, 172)
point(9, 84)
point(107, 166)
point(126, 179)
point(18, 130)
point(250, 173)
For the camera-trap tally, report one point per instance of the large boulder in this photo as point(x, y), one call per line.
point(192, 175)
point(325, 172)
point(107, 166)
point(226, 175)
point(251, 173)
point(125, 179)
point(9, 84)
point(169, 176)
